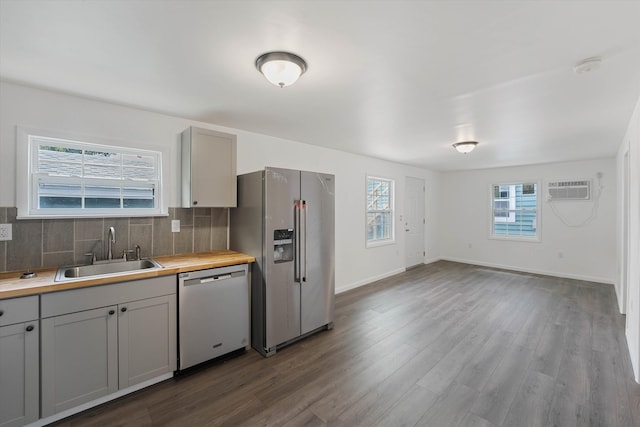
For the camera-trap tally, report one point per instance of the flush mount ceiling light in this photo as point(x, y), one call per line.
point(587, 65)
point(281, 68)
point(465, 147)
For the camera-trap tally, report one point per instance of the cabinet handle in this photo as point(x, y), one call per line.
point(112, 312)
point(123, 309)
point(29, 328)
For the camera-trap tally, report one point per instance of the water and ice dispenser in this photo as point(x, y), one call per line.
point(283, 245)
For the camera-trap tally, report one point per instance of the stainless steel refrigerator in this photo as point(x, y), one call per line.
point(285, 219)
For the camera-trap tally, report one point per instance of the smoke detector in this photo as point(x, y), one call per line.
point(587, 65)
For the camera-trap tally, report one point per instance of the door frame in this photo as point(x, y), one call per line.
point(420, 224)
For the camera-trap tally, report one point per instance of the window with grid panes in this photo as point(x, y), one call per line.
point(76, 178)
point(379, 210)
point(515, 210)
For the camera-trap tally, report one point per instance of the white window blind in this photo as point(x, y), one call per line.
point(74, 178)
point(379, 210)
point(515, 211)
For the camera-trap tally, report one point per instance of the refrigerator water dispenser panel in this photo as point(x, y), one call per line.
point(283, 245)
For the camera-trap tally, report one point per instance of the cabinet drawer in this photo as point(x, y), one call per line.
point(64, 302)
point(17, 310)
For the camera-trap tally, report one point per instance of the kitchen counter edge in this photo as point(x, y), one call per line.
point(12, 286)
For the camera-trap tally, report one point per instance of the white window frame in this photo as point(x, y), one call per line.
point(28, 178)
point(535, 239)
point(391, 239)
point(512, 205)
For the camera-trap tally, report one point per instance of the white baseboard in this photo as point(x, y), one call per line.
point(482, 264)
point(532, 270)
point(369, 280)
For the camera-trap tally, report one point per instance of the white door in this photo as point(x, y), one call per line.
point(414, 222)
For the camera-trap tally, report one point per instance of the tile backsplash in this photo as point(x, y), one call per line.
point(56, 242)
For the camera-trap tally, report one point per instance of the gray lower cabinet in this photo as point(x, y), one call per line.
point(146, 339)
point(19, 357)
point(79, 358)
point(98, 340)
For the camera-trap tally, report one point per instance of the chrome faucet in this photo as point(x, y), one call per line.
point(111, 238)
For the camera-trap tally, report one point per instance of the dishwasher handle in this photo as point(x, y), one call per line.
point(214, 278)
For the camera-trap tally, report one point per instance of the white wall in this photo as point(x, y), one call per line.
point(630, 145)
point(587, 252)
point(355, 265)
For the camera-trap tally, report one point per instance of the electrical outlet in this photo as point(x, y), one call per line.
point(5, 232)
point(175, 226)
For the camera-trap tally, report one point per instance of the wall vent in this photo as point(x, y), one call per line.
point(569, 190)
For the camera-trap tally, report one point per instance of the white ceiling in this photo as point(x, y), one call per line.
point(398, 80)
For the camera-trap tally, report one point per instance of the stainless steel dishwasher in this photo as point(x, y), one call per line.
point(213, 313)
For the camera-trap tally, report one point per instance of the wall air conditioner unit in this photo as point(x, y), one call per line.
point(569, 190)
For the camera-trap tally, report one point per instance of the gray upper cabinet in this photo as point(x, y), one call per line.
point(208, 168)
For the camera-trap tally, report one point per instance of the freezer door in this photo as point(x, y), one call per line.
point(317, 261)
point(281, 292)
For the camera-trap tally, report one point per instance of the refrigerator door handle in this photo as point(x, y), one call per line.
point(296, 220)
point(304, 242)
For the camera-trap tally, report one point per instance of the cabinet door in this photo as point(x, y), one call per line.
point(79, 358)
point(146, 339)
point(19, 374)
point(209, 168)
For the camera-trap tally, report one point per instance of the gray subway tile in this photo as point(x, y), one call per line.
point(202, 212)
point(183, 241)
point(24, 251)
point(202, 234)
point(142, 234)
point(89, 228)
point(3, 256)
point(219, 228)
point(162, 236)
point(58, 259)
point(185, 215)
point(146, 220)
point(54, 242)
point(83, 247)
point(57, 235)
point(12, 213)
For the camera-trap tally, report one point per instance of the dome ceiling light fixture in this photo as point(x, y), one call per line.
point(587, 65)
point(465, 146)
point(281, 68)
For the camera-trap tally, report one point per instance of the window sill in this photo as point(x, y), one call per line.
point(97, 215)
point(378, 243)
point(516, 239)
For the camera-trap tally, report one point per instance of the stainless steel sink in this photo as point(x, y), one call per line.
point(104, 269)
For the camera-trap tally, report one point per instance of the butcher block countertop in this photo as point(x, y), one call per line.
point(12, 286)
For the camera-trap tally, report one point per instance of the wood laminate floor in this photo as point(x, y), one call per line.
point(444, 344)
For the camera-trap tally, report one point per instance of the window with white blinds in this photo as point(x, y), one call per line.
point(75, 178)
point(515, 208)
point(379, 211)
